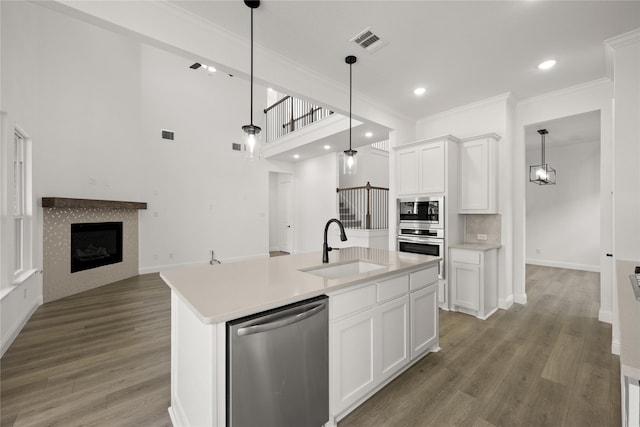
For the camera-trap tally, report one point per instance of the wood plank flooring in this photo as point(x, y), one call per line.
point(101, 358)
point(98, 358)
point(547, 363)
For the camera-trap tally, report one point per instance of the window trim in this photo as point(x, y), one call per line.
point(23, 268)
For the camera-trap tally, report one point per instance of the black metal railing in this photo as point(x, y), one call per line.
point(365, 207)
point(290, 114)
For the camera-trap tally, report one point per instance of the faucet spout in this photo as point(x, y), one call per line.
point(325, 247)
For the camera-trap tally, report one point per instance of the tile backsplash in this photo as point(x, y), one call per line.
point(491, 225)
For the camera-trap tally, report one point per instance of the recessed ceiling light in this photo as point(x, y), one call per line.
point(368, 134)
point(296, 156)
point(327, 147)
point(419, 91)
point(547, 64)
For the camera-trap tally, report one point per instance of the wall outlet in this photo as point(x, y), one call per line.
point(170, 255)
point(538, 251)
point(482, 237)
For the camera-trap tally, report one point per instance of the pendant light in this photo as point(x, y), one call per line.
point(350, 161)
point(542, 174)
point(252, 132)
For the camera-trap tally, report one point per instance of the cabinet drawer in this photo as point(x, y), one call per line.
point(462, 255)
point(392, 288)
point(352, 301)
point(422, 278)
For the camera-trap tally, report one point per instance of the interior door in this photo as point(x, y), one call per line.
point(285, 212)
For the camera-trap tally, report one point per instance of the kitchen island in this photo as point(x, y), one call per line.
point(382, 318)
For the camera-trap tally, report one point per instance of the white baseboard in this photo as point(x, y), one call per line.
point(560, 264)
point(615, 347)
point(505, 303)
point(605, 316)
point(520, 299)
point(15, 329)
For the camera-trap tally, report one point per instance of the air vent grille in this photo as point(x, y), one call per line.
point(368, 40)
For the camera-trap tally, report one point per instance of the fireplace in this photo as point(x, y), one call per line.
point(95, 244)
point(62, 217)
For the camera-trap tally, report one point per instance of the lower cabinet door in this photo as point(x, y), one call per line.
point(466, 285)
point(424, 319)
point(352, 355)
point(394, 337)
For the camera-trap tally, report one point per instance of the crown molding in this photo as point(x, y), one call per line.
point(625, 39)
point(504, 97)
point(567, 90)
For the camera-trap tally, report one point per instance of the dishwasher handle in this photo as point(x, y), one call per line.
point(277, 320)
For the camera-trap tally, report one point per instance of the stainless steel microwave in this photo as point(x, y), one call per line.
point(420, 211)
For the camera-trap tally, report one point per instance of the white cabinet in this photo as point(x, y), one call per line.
point(474, 281)
point(376, 330)
point(424, 320)
point(394, 336)
point(353, 355)
point(423, 167)
point(478, 171)
point(432, 167)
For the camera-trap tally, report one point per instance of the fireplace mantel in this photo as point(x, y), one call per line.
point(62, 202)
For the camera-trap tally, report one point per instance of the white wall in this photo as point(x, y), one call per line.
point(94, 102)
point(563, 220)
point(202, 195)
point(315, 182)
point(373, 167)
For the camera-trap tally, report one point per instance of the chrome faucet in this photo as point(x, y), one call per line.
point(326, 248)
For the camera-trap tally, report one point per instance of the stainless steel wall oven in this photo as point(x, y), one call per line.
point(421, 227)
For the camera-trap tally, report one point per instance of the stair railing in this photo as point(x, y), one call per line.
point(290, 114)
point(365, 207)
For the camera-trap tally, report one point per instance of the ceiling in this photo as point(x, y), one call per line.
point(460, 51)
point(581, 128)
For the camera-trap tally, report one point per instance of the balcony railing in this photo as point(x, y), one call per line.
point(365, 207)
point(290, 114)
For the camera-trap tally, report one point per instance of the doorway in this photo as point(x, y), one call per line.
point(281, 225)
point(583, 164)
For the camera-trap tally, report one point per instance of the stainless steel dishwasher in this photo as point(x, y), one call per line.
point(278, 367)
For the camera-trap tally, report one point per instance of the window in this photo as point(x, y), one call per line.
point(21, 204)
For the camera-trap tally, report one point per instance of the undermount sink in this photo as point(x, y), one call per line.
point(336, 271)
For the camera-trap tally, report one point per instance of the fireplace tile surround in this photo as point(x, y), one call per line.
point(58, 215)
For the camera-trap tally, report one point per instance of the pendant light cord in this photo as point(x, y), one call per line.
point(251, 105)
point(542, 149)
point(350, 101)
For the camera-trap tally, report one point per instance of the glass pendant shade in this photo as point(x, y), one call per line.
point(252, 146)
point(350, 162)
point(542, 174)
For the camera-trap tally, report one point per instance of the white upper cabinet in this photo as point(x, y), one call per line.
point(478, 175)
point(432, 163)
point(422, 166)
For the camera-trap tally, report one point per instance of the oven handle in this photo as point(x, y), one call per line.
point(420, 240)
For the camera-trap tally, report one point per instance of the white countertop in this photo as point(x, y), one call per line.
point(476, 246)
point(629, 315)
point(222, 292)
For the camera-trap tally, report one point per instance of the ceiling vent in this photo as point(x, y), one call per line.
point(369, 41)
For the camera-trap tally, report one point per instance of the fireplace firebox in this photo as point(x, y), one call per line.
point(95, 245)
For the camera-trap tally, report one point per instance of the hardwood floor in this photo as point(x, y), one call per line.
point(102, 358)
point(97, 358)
point(547, 363)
